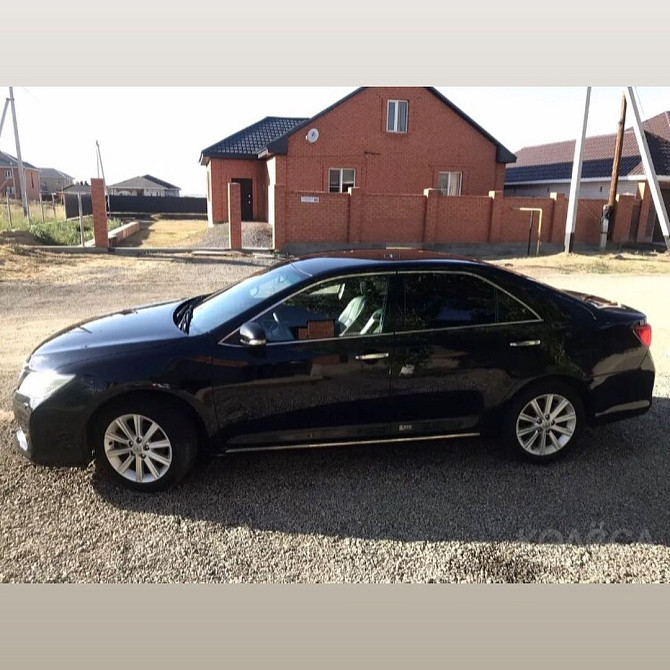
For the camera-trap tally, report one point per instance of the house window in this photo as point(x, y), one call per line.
point(449, 183)
point(396, 116)
point(341, 179)
point(10, 190)
point(8, 174)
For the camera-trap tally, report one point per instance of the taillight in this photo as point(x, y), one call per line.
point(643, 331)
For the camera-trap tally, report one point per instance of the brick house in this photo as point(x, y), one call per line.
point(381, 140)
point(10, 183)
point(547, 168)
point(146, 185)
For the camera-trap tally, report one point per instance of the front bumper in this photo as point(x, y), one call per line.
point(50, 434)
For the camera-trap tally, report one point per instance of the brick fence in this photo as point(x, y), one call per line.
point(355, 219)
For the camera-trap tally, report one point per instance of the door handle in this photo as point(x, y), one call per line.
point(525, 343)
point(372, 357)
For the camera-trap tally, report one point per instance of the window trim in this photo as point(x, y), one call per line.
point(389, 273)
point(341, 171)
point(396, 116)
point(450, 172)
point(539, 319)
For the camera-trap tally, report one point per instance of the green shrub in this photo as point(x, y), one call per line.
point(66, 233)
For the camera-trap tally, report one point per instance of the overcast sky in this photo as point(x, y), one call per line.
point(161, 131)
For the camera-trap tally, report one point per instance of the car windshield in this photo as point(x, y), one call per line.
point(225, 305)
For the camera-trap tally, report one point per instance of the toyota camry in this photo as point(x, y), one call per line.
point(330, 350)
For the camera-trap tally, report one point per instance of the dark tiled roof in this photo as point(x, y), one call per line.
point(77, 188)
point(52, 173)
point(7, 160)
point(250, 141)
point(547, 162)
point(145, 181)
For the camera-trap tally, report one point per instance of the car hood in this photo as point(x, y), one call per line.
point(144, 325)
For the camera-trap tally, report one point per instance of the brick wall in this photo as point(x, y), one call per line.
point(219, 174)
point(358, 218)
point(353, 135)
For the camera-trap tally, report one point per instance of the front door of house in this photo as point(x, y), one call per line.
point(246, 195)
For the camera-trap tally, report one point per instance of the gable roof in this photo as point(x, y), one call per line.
point(270, 135)
point(77, 188)
point(553, 162)
point(144, 181)
point(503, 155)
point(52, 173)
point(7, 160)
point(252, 140)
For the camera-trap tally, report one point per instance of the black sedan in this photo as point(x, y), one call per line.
point(334, 349)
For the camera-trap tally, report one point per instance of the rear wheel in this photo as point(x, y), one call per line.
point(143, 444)
point(543, 421)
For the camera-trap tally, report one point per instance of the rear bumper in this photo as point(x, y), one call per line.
point(622, 395)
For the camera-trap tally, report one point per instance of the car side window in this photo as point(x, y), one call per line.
point(434, 300)
point(344, 307)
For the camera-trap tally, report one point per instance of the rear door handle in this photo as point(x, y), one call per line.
point(525, 343)
point(372, 357)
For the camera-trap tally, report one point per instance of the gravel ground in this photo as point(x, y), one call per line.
point(458, 511)
point(255, 235)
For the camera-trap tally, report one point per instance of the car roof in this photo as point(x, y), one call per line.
point(360, 259)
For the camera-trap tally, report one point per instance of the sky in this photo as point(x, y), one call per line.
point(161, 131)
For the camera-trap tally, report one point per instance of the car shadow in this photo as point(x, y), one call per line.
point(612, 488)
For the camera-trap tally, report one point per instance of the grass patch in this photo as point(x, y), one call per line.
point(67, 233)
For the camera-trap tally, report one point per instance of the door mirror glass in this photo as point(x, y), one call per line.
point(252, 334)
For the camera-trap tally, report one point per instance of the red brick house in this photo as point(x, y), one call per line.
point(10, 183)
point(383, 140)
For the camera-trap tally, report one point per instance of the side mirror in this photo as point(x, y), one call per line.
point(252, 334)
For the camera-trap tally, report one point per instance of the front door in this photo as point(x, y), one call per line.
point(246, 196)
point(323, 375)
point(453, 358)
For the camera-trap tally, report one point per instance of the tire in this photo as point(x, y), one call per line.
point(164, 454)
point(544, 439)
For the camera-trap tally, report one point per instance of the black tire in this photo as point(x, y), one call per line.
point(174, 425)
point(513, 420)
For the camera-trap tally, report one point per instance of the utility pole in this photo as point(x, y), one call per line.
point(608, 210)
point(22, 176)
point(4, 114)
point(649, 170)
point(101, 169)
point(575, 184)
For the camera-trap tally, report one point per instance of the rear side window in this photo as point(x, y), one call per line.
point(434, 300)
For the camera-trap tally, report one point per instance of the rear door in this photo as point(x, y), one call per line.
point(462, 344)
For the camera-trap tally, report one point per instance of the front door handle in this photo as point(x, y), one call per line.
point(525, 343)
point(372, 357)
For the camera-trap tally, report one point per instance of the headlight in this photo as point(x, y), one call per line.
point(38, 386)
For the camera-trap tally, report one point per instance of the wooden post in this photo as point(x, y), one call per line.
point(608, 210)
point(42, 206)
point(9, 212)
point(53, 204)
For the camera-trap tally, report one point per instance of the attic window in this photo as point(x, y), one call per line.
point(396, 116)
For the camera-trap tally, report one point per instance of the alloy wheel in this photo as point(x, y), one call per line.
point(138, 448)
point(546, 424)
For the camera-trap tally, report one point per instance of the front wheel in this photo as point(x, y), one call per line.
point(144, 445)
point(544, 421)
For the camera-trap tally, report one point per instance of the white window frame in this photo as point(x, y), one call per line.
point(396, 116)
point(450, 176)
point(9, 174)
point(341, 171)
point(11, 190)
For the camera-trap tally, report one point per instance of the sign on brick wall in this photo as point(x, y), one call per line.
point(309, 198)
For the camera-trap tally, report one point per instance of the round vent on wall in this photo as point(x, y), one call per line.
point(312, 135)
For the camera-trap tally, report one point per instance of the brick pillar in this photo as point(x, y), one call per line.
point(355, 215)
point(99, 206)
point(496, 223)
point(559, 216)
point(430, 216)
point(280, 231)
point(645, 230)
point(235, 215)
point(622, 224)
